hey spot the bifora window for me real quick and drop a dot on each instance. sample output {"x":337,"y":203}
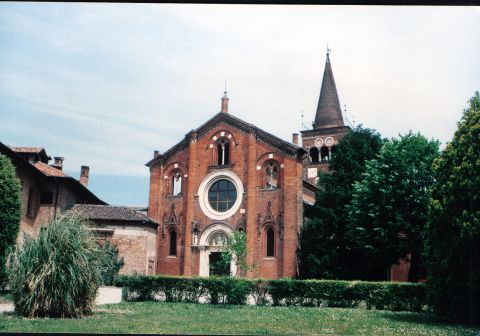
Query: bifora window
{"x":222,"y":195}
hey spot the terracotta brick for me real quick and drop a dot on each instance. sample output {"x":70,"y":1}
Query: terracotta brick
{"x":196,"y":161}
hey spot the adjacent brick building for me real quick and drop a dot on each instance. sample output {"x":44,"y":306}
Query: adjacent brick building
{"x":128,"y":228}
{"x":46,"y":189}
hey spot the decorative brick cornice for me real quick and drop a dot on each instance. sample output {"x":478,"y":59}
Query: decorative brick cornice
{"x":278,"y":144}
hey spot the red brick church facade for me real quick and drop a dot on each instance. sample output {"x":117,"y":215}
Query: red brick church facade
{"x":229,"y":175}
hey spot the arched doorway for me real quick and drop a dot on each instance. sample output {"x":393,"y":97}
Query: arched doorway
{"x":211,"y":245}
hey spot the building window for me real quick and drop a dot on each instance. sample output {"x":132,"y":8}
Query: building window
{"x":271,"y":175}
{"x":222,"y":195}
{"x":314,"y":155}
{"x":176,"y":184}
{"x":324,"y":154}
{"x":223,"y":152}
{"x":46,"y":197}
{"x":270,"y":242}
{"x":31,"y":203}
{"x":173,"y":243}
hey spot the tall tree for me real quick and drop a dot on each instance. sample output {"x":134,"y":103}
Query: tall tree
{"x":10,"y":212}
{"x":388,"y":211}
{"x":323,"y":251}
{"x":453,"y":241}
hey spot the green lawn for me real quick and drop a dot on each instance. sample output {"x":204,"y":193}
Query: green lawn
{"x":186,"y":318}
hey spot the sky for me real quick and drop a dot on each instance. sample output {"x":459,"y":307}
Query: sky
{"x":106,"y":84}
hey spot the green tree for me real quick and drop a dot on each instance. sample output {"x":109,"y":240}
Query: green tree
{"x":389,"y":208}
{"x":10,"y":212}
{"x":58,"y":273}
{"x":323,"y":250}
{"x":453,"y":240}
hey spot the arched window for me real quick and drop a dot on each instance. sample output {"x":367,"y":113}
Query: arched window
{"x":324,"y":154}
{"x":223,"y":152}
{"x":176,"y":183}
{"x":270,"y":242}
{"x":271,"y":175}
{"x":314,"y":155}
{"x":173,"y":243}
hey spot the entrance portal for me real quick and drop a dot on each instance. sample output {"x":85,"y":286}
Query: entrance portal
{"x":212,"y":244}
{"x":217,"y":265}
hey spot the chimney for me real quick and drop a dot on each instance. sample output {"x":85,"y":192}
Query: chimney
{"x":295,"y":138}
{"x":84,"y":170}
{"x":58,"y":163}
{"x":225,"y":102}
{"x":155,"y":153}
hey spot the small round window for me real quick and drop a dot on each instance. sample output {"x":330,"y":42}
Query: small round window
{"x":222,"y":195}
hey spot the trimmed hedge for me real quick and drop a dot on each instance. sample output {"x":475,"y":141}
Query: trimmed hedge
{"x":394,"y":296}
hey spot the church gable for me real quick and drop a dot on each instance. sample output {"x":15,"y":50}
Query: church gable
{"x":225,"y":119}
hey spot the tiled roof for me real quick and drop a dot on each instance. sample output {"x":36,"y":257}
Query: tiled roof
{"x":42,"y":170}
{"x":40,"y":151}
{"x":26,"y":149}
{"x":110,"y":212}
{"x":49,"y":170}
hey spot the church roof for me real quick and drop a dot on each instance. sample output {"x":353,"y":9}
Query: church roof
{"x":226,"y":118}
{"x":329,"y":113}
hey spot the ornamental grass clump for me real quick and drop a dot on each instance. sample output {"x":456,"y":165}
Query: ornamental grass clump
{"x":58,"y":273}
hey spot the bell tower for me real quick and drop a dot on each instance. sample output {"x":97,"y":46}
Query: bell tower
{"x":327,"y":129}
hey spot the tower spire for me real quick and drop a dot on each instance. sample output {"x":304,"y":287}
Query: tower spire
{"x":329,"y":112}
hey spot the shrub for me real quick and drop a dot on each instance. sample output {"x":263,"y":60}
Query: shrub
{"x":10,"y":207}
{"x":57,"y":274}
{"x":111,"y":264}
{"x":318,"y":293}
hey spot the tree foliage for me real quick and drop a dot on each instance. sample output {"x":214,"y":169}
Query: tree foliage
{"x":324,"y":252}
{"x":10,"y":212}
{"x":236,"y":250}
{"x":58,"y":273}
{"x":388,"y":211}
{"x":453,"y":244}
{"x":111,"y":263}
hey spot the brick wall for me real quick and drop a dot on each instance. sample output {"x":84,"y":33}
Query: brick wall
{"x":198,"y":160}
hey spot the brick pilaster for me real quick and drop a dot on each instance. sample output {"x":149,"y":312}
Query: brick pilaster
{"x":293,"y":216}
{"x":191,"y":179}
{"x":251,"y":201}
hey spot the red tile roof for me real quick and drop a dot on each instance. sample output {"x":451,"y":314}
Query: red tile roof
{"x":26,"y":149}
{"x":48,"y":170}
{"x":112,"y":213}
